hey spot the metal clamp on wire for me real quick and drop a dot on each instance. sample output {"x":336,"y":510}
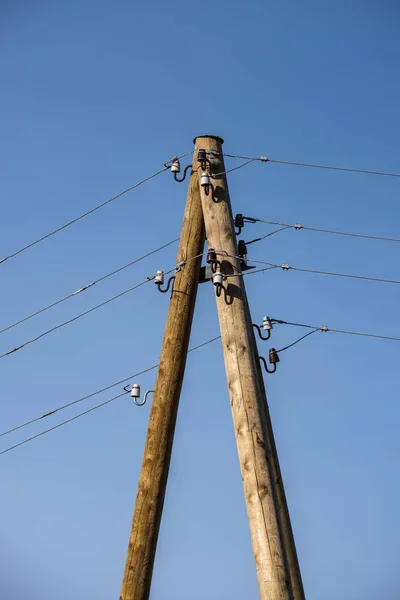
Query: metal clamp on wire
{"x":273,"y":360}
{"x":218,"y":281}
{"x":159,"y":281}
{"x":239,"y":222}
{"x":267,"y":326}
{"x":176,"y":168}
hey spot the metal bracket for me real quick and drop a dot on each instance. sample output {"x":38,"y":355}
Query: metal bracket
{"x":206,"y":274}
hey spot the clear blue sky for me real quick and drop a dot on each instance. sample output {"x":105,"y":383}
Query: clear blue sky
{"x":97,"y":95}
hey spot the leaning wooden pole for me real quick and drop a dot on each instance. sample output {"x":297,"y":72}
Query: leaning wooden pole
{"x":244,"y":389}
{"x":157,"y":454}
{"x":284,"y":516}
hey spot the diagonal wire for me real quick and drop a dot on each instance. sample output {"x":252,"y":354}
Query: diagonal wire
{"x":34,"y":437}
{"x":299,"y":340}
{"x":89,"y":212}
{"x":358,"y":235}
{"x":35,"y":339}
{"x":332,"y":168}
{"x":268,"y":234}
{"x":84,"y":288}
{"x":97,"y":392}
{"x":85,"y":398}
{"x":342,"y":331}
{"x":287,"y":267}
{"x":265,"y":159}
{"x":234,"y":168}
{"x":378,"y":279}
{"x":90,"y":310}
{"x":78,"y":401}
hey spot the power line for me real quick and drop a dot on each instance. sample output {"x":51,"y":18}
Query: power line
{"x":287,"y":267}
{"x":89,"y":212}
{"x":85,"y":287}
{"x":60,"y":408}
{"x":90,"y":310}
{"x":35,"y":339}
{"x":259,"y":239}
{"x":34,"y":437}
{"x":265,"y":159}
{"x":234,"y":168}
{"x":78,"y":401}
{"x":343,"y":331}
{"x":303,"y":337}
{"x":299,"y":226}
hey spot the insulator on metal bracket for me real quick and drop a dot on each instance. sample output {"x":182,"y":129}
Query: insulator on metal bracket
{"x":267,"y":326}
{"x":273,"y":360}
{"x":239,"y":223}
{"x":205,"y":183}
{"x":175,"y":165}
{"x":159,"y":281}
{"x":218,"y":281}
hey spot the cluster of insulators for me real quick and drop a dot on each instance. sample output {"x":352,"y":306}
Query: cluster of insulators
{"x":273,"y":354}
{"x":204,"y":163}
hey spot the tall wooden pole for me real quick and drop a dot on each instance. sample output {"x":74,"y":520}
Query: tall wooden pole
{"x":284,"y":516}
{"x":245,"y":393}
{"x":157,"y":454}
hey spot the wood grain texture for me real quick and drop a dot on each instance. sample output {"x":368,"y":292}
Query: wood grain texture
{"x":246,"y":396}
{"x":290,"y":552}
{"x":157,"y":454}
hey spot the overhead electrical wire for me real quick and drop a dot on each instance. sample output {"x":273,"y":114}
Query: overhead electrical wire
{"x":60,"y":408}
{"x":259,"y":239}
{"x":83,"y":314}
{"x":325,"y":328}
{"x":215,"y":175}
{"x":90,"y":310}
{"x":34,"y":437}
{"x":87,"y":213}
{"x":287,"y":267}
{"x":303,"y":337}
{"x":266,"y":159}
{"x":78,"y":401}
{"x":87,"y":286}
{"x":299,"y":226}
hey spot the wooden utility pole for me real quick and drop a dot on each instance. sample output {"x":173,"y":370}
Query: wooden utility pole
{"x":284,"y":516}
{"x":157,"y":454}
{"x":252,"y":436}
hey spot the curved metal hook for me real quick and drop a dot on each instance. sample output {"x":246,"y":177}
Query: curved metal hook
{"x":260,"y":334}
{"x":238,"y":223}
{"x":144,"y":399}
{"x":204,"y":163}
{"x":184,"y":174}
{"x":136,"y":401}
{"x":214,"y":266}
{"x":262,"y":359}
{"x":163,"y":291}
{"x":218,"y":288}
